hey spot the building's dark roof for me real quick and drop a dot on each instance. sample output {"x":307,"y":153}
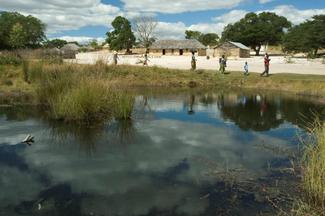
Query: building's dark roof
{"x":236,"y":44}
{"x":177,"y":44}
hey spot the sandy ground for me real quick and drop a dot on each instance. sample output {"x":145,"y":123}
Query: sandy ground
{"x":278,"y":64}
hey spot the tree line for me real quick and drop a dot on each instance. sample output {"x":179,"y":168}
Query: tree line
{"x":254,"y":30}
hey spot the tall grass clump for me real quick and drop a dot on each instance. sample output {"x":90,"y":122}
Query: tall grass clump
{"x":313,"y":169}
{"x":25,"y":70}
{"x":123,"y":105}
{"x":88,"y":101}
{"x":76,"y":93}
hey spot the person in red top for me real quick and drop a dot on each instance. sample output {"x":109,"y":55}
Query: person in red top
{"x":266,"y":65}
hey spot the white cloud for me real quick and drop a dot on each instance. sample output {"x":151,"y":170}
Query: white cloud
{"x":81,"y":39}
{"x":179,"y":6}
{"x":265,"y":1}
{"x":231,"y":17}
{"x":295,"y":15}
{"x":65,"y":15}
{"x":166,"y":30}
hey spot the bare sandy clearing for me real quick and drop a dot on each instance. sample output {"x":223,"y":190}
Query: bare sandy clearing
{"x":278,"y":63}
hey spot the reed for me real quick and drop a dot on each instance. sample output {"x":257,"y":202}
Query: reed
{"x":313,"y":167}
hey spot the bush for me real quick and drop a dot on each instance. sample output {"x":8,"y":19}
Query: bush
{"x":10,"y":60}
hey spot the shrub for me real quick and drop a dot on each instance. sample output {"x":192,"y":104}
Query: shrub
{"x":10,"y":60}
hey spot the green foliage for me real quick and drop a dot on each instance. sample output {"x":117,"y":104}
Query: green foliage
{"x":17,"y":36}
{"x":30,"y":31}
{"x":308,"y":37}
{"x":55,"y":43}
{"x":209,"y":39}
{"x":193,"y":34}
{"x":122,"y":36}
{"x":94,"y":44}
{"x":254,"y":30}
{"x":10,"y":59}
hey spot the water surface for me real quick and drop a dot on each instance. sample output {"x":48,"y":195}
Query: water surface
{"x":180,"y":154}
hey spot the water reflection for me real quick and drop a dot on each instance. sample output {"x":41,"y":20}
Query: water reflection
{"x":184,"y":154}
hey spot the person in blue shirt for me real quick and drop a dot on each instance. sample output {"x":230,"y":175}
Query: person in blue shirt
{"x":246,"y":69}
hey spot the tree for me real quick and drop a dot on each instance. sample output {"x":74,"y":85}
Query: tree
{"x":122,"y":36}
{"x":209,"y":39}
{"x":17,"y":36}
{"x":308,"y":37}
{"x":32,"y":27}
{"x":55,"y":43}
{"x":254,"y":30}
{"x":189,"y":34}
{"x":94,"y":44}
{"x":145,"y":27}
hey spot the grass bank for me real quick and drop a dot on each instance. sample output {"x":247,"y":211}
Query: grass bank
{"x":87,"y":92}
{"x":135,"y":76}
{"x":313,"y":174}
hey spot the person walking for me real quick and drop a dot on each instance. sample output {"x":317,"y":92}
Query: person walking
{"x":115,"y":58}
{"x":246,"y":69}
{"x":193,"y":62}
{"x":145,"y":62}
{"x":266,"y":65}
{"x":223,"y":64}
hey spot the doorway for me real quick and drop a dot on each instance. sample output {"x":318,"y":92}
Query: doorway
{"x":181,"y":52}
{"x":164,"y":52}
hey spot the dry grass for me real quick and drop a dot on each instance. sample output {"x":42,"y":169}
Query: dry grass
{"x":313,"y":167}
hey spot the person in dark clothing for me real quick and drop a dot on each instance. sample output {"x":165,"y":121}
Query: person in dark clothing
{"x":145,"y":62}
{"x":223,"y":64}
{"x":266,"y":65}
{"x":193,"y":62}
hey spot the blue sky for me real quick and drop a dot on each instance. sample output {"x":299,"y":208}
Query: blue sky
{"x":87,"y":19}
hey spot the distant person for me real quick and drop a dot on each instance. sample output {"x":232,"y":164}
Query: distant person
{"x":223,"y":64}
{"x":145,"y":62}
{"x":266,"y":65}
{"x":246,"y":69}
{"x":115,"y":58}
{"x":193,"y":62}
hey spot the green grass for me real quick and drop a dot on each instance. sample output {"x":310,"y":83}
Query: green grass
{"x":313,"y":168}
{"x":79,"y":92}
{"x":312,"y":198}
{"x":76,"y":94}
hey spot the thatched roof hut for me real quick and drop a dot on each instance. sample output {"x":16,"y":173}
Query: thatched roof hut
{"x":69,"y":50}
{"x":177,"y":47}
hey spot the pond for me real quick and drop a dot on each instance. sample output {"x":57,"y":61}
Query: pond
{"x":180,"y":154}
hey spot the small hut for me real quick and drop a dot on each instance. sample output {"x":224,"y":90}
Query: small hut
{"x":232,"y":49}
{"x":177,"y":47}
{"x":69,"y":50}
